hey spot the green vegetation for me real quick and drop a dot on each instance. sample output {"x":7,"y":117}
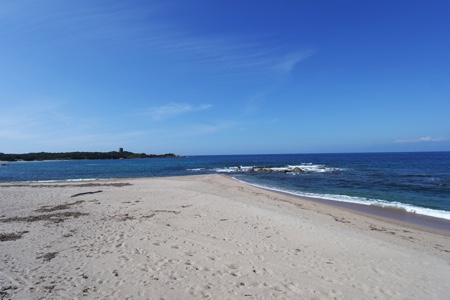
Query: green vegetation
{"x":81,"y":155}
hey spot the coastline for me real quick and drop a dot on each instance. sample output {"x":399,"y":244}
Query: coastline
{"x":206,"y":236}
{"x":385,"y":213}
{"x":393,"y":215}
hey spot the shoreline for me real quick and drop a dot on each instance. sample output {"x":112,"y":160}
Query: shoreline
{"x":388,"y":214}
{"x":205,"y":236}
{"x":384,"y":213}
{"x":393,"y":215}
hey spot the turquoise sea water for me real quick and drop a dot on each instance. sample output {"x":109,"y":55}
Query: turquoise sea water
{"x":416,"y":182}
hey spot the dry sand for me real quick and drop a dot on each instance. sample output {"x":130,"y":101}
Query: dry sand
{"x":205,"y":237}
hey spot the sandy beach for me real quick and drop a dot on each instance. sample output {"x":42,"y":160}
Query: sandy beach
{"x":206,"y":236}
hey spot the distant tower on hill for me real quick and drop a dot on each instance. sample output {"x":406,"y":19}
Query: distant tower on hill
{"x":120,"y":150}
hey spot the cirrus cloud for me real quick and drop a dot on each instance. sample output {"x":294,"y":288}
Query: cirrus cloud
{"x":291,"y":60}
{"x":172,"y":110}
{"x":426,"y":139}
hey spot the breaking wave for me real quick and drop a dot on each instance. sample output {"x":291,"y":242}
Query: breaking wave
{"x":292,"y":169}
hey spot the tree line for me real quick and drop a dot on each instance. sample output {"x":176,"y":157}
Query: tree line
{"x":38,"y":156}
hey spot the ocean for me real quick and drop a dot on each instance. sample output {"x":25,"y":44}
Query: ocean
{"x":414,"y":182}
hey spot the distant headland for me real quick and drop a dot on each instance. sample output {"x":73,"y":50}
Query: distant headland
{"x":39,"y":156}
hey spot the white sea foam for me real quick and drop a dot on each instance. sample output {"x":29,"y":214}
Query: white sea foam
{"x":232,"y":169}
{"x":364,"y":201}
{"x":70,"y":180}
{"x":294,"y":169}
{"x":85,"y":179}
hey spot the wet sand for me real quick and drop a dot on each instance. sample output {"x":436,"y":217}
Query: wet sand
{"x":393,"y":215}
{"x":206,"y":236}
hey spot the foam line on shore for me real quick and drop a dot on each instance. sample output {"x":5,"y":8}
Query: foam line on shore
{"x":361,"y":201}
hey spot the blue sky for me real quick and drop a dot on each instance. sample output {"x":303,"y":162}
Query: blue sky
{"x":224,"y":77}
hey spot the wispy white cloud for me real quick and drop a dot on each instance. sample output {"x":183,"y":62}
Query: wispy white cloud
{"x":426,"y":139}
{"x":290,"y":61}
{"x":43,"y":123}
{"x":24,"y":120}
{"x":172,"y":110}
{"x":201,"y":129}
{"x":149,"y":31}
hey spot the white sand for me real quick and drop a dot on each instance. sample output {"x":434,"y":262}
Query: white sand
{"x":206,"y":237}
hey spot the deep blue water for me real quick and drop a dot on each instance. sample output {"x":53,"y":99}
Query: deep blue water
{"x":417,"y":182}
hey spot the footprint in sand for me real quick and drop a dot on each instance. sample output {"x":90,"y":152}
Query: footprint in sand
{"x":233,"y":266}
{"x":212,"y":257}
{"x":190,"y":253}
